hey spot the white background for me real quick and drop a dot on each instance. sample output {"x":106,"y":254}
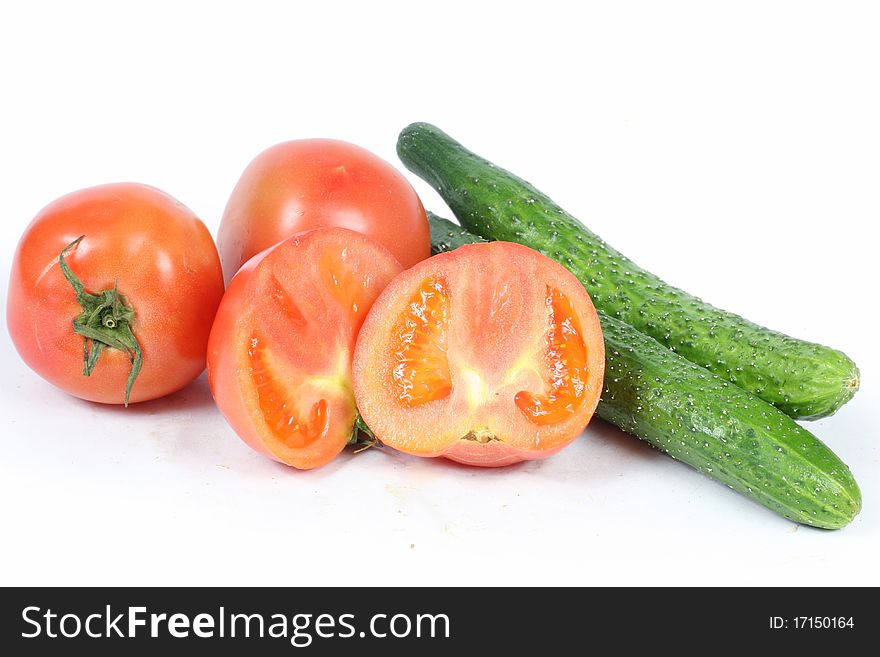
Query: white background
{"x":733,"y":149}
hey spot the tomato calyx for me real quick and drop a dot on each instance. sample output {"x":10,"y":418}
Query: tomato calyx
{"x":362,"y":437}
{"x":105,"y":322}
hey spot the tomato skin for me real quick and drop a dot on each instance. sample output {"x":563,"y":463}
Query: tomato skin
{"x":223,"y":360}
{"x":167,"y":268}
{"x":487,"y":355}
{"x":304,"y":184}
{"x":308,"y":330}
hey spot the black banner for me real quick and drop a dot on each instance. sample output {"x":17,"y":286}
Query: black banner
{"x":429,"y":621}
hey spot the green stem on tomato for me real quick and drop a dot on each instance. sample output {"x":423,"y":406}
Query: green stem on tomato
{"x":365,"y":441}
{"x":105,"y":322}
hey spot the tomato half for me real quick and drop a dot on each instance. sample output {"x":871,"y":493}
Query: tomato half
{"x":313,"y":183}
{"x":162,"y":263}
{"x":279,"y":356}
{"x":488,"y":355}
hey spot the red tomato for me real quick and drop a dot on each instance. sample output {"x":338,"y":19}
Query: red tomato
{"x":167,"y":270}
{"x":488,"y":355}
{"x":313,"y":183}
{"x":279,"y":356}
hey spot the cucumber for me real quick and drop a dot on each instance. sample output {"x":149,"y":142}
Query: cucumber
{"x":446,"y":236}
{"x":707,"y":422}
{"x":803,"y":379}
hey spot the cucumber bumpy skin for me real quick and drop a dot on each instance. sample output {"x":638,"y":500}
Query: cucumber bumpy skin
{"x":803,"y":379}
{"x":707,"y":422}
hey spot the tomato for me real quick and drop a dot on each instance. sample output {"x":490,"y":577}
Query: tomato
{"x":279,"y":356}
{"x":312,"y":183}
{"x":162,"y":262}
{"x":487,"y":355}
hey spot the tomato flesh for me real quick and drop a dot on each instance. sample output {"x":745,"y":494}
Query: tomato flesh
{"x":421,"y":367}
{"x":487,"y":355}
{"x":565,"y":361}
{"x":279,"y":356}
{"x":278,"y":405}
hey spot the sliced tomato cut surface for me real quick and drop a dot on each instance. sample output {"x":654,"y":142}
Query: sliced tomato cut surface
{"x":487,"y":355}
{"x":279,"y":355}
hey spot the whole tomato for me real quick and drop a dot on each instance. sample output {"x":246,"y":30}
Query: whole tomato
{"x":112,"y":293}
{"x":315,"y":183}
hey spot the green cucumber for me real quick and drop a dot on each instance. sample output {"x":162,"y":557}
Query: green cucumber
{"x":803,"y":379}
{"x":447,"y":236}
{"x":712,"y":425}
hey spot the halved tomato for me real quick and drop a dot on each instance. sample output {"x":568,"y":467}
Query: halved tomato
{"x":488,"y":355}
{"x":279,"y":355}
